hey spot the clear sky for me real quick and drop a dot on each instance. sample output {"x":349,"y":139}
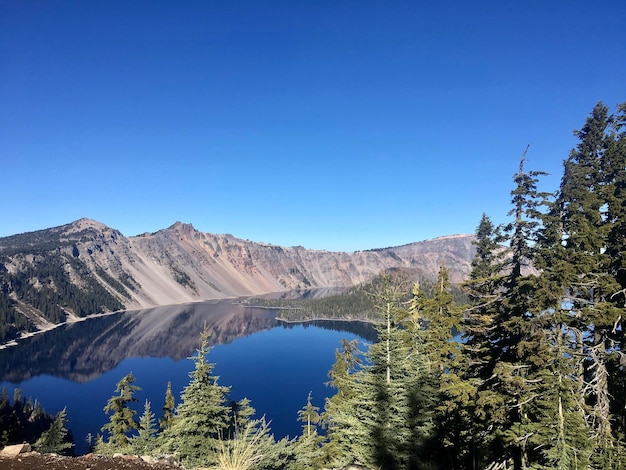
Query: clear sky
{"x":339,"y":125}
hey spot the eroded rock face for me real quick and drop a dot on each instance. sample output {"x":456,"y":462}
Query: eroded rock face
{"x":181,"y":264}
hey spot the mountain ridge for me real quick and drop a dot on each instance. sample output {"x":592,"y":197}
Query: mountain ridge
{"x":86,"y":267}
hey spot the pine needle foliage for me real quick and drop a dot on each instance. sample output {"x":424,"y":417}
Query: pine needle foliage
{"x":145,"y":442}
{"x":168,"y":409}
{"x":54,"y":440}
{"x":122,"y":421}
{"x":201,"y":417}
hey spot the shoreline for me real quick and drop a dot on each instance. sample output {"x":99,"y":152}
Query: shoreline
{"x":70,"y":321}
{"x":362,"y":320}
{"x":71,"y":318}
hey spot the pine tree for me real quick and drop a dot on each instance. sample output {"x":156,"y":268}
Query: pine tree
{"x":55,"y":439}
{"x":307,"y":448}
{"x":443,"y":319}
{"x":504,"y":344}
{"x":201,"y":418}
{"x":168,"y":409}
{"x":614,"y":191}
{"x":581,"y":265}
{"x":145,"y":442}
{"x":346,"y":437}
{"x":240,"y":414}
{"x":122,"y":420}
{"x":384,"y":418}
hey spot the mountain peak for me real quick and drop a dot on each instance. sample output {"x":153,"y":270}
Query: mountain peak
{"x":181,"y":227}
{"x":84,"y":223}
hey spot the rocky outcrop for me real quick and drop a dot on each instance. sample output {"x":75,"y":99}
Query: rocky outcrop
{"x":12,"y":451}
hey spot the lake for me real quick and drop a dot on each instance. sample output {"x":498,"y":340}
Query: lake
{"x":272,"y":363}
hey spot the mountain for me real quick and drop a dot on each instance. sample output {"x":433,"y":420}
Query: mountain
{"x":85,"y":267}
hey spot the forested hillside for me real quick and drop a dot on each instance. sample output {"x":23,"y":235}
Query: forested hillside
{"x":43,"y":279}
{"x":354,"y":303}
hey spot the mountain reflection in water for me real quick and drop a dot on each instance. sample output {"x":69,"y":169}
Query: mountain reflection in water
{"x":274,"y":364}
{"x":84,"y":350}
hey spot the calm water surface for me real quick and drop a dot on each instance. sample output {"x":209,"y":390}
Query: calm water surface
{"x":273,"y":364}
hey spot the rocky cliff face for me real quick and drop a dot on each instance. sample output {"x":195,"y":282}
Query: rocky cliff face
{"x":180,"y":264}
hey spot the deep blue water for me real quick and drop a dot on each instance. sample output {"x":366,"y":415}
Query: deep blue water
{"x":275,"y":368}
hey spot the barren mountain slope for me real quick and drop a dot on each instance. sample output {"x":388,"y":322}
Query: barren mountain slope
{"x":212,"y":266}
{"x":86,"y":267}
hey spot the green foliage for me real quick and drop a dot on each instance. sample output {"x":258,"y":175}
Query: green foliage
{"x":26,"y":421}
{"x":122,"y":420}
{"x":307,"y":448}
{"x":168,"y":409}
{"x":54,"y":440}
{"x":144,"y":443}
{"x":382,"y":414}
{"x":354,"y":303}
{"x":202,"y":416}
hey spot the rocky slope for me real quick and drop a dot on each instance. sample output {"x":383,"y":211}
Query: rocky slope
{"x":86,"y":267}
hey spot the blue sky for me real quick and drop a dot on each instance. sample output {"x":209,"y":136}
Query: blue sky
{"x":339,"y":125}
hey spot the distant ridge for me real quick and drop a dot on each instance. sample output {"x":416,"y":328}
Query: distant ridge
{"x":86,"y":267}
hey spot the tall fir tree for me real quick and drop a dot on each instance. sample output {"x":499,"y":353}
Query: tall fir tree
{"x":385,"y":419}
{"x":307,"y":448}
{"x":201,"y":419}
{"x":122,"y":420}
{"x":614,"y":168}
{"x":346,"y":436}
{"x":580,"y":262}
{"x":168,"y":409}
{"x":504,"y":345}
{"x":445,"y":365}
{"x":145,"y":442}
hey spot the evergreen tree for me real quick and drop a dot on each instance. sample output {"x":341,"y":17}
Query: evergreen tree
{"x":240,"y":414}
{"x":55,"y":439}
{"x":614,"y":168}
{"x":122,"y":420}
{"x":201,"y":418}
{"x":442,"y":350}
{"x":504,"y":344}
{"x":168,"y":409}
{"x":346,"y":437}
{"x":385,"y":418}
{"x":307,"y":448}
{"x":580,"y":265}
{"x":145,"y":442}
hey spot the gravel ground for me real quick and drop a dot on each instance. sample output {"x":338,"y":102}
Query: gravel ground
{"x":35,"y":461}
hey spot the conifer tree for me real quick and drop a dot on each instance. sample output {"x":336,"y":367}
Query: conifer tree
{"x":503,"y":342}
{"x":240,"y":414}
{"x":614,"y":169}
{"x":580,"y":262}
{"x":145,"y":442}
{"x":445,"y":366}
{"x":385,"y":418}
{"x":201,"y":418}
{"x":307,"y":448}
{"x":122,"y":420}
{"x":346,"y":436}
{"x":55,"y":439}
{"x":168,"y":409}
